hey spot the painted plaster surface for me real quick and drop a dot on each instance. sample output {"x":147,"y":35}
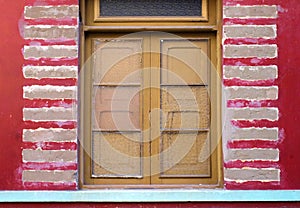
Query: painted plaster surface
{"x":38,"y":90}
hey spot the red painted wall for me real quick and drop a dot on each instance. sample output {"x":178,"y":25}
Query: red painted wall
{"x":289,"y":92}
{"x":11,"y":81}
{"x":11,"y":61}
{"x":288,"y":62}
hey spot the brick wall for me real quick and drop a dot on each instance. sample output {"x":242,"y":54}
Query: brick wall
{"x":250,"y":134}
{"x":50,"y":68}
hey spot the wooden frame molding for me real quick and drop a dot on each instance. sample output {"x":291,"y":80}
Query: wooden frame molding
{"x":207,"y":22}
{"x":190,"y":28}
{"x":98,"y":18}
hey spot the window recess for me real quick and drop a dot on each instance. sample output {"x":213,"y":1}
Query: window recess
{"x":150,"y":115}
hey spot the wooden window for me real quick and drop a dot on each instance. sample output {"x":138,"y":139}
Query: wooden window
{"x":149,"y":108}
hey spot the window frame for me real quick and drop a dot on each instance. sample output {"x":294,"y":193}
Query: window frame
{"x":211,"y":22}
{"x":210,"y":26}
{"x":98,"y":18}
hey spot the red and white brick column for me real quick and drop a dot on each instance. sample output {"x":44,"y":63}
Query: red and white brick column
{"x":250,"y":134}
{"x":50,"y":91}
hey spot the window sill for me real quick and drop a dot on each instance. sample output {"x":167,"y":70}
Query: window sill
{"x":146,"y":195}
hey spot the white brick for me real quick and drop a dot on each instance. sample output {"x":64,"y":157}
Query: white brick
{"x":54,"y":51}
{"x":58,"y":72}
{"x":49,"y":135}
{"x":256,"y":11}
{"x":250,"y":31}
{"x":254,"y":134}
{"x":49,"y":114}
{"x":64,"y":176}
{"x":252,"y":93}
{"x":261,"y":154}
{"x":49,"y":155}
{"x":252,"y":113}
{"x":251,"y":73}
{"x":49,"y":92}
{"x":252,"y":174}
{"x":250,"y":51}
{"x":65,"y":11}
{"x":44,"y":32}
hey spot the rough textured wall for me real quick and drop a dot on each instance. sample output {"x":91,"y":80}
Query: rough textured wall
{"x":250,"y":135}
{"x":50,"y":53}
{"x":259,"y":137}
{"x":38,"y":78}
{"x":11,"y":79}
